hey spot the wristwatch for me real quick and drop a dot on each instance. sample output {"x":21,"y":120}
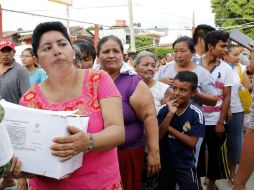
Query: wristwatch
{"x":92,"y":143}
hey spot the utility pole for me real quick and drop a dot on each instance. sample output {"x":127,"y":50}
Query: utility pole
{"x":1,"y":21}
{"x":193,"y":22}
{"x":132,"y":36}
{"x":96,"y":35}
{"x":68,"y":3}
{"x":193,"y":19}
{"x":68,"y":17}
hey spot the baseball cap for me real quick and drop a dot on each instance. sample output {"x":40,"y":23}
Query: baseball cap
{"x":5,"y":42}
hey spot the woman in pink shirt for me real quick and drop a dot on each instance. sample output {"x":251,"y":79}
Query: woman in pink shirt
{"x":94,"y":94}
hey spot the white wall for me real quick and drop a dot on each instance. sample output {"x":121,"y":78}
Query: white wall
{"x":173,"y":34}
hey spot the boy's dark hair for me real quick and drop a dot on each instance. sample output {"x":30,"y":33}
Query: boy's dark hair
{"x":201,"y":31}
{"x":187,"y":40}
{"x":188,"y":76}
{"x":86,"y":46}
{"x":45,"y":27}
{"x":214,"y":37}
{"x":107,"y":38}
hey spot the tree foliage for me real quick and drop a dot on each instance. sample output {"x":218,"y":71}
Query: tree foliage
{"x":238,"y":14}
{"x":144,"y":43}
{"x":160,"y":51}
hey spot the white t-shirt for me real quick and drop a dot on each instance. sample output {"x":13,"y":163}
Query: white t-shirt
{"x":235,"y":103}
{"x":206,"y":82}
{"x":223,"y":76}
{"x":158,"y":90}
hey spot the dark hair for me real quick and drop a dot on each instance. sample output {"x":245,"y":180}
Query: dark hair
{"x":107,"y":38}
{"x":214,"y":37}
{"x":132,"y":54}
{"x":187,"y":40}
{"x":30,"y":50}
{"x":188,"y":76}
{"x":232,"y":46}
{"x":201,"y":31}
{"x":78,"y":55}
{"x":45,"y":27}
{"x":86,"y":46}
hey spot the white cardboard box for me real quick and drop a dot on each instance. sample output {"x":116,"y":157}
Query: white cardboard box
{"x":32,"y":131}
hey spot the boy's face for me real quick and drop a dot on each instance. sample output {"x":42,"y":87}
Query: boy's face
{"x":220,"y":49}
{"x":182,"y":92}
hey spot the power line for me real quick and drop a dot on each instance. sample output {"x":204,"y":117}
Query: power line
{"x":221,"y":19}
{"x":78,"y":8}
{"x":246,"y":27}
{"x":163,"y":12}
{"x":238,"y":26}
{"x":58,"y":18}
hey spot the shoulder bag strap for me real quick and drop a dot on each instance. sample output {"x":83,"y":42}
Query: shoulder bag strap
{"x":240,"y":73}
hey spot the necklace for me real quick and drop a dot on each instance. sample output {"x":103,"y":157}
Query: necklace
{"x":179,"y":113}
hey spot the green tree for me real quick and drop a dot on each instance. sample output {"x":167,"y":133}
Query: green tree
{"x":237,"y":14}
{"x":144,"y":43}
{"x":160,"y":51}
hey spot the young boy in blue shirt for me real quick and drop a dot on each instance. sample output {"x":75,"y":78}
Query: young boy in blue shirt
{"x":181,"y":124}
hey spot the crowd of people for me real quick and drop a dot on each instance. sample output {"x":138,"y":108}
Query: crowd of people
{"x":153,"y":123}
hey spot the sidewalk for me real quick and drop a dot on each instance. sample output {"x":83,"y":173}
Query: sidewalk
{"x":223,"y":184}
{"x":9,"y":188}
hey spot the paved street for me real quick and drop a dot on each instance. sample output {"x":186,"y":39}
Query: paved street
{"x":222,"y":185}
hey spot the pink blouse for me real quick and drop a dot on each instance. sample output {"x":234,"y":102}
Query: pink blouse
{"x":100,"y":169}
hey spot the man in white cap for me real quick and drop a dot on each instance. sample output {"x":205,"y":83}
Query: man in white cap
{"x":14,"y":82}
